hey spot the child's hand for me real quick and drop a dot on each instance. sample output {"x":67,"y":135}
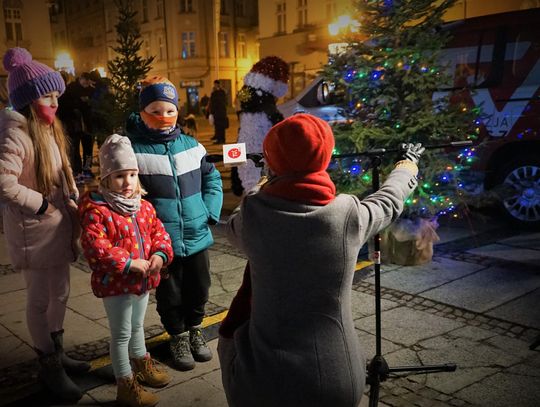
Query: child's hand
{"x":139,"y":266}
{"x":156,"y":263}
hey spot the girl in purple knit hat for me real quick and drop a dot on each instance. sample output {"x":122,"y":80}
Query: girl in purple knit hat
{"x":38,"y":194}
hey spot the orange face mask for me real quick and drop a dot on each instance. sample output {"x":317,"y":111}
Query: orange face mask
{"x":158,"y":122}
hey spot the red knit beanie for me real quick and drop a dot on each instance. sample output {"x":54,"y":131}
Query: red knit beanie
{"x":299,"y":144}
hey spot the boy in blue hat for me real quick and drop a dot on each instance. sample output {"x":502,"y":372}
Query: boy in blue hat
{"x":187,"y":193}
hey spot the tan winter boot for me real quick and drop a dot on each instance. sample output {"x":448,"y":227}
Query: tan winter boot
{"x":148,"y":372}
{"x":131,"y":394}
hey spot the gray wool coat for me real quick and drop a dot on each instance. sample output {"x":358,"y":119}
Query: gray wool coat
{"x":299,"y":347}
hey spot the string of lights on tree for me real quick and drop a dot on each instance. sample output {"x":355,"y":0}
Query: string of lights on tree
{"x":386,"y":79}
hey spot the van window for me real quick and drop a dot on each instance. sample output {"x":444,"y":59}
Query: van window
{"x":459,"y":59}
{"x":473,"y":59}
{"x":522,"y":53}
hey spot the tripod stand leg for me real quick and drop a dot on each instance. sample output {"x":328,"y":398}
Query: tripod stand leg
{"x":377,"y":373}
{"x":447,"y":367}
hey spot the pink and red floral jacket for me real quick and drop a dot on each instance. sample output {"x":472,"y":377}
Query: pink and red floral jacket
{"x":111,"y":241}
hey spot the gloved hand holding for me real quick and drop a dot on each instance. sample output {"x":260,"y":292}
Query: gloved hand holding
{"x":412,"y":152}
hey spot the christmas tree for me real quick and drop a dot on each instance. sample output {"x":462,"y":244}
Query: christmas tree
{"x":128,"y":67}
{"x":386,"y":77}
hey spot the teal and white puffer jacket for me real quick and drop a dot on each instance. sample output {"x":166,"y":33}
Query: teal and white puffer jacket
{"x":184,"y":188}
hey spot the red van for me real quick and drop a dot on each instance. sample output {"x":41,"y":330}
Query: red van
{"x":497,"y":57}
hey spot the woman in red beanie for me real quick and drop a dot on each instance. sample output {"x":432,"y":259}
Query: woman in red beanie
{"x":289,"y":337}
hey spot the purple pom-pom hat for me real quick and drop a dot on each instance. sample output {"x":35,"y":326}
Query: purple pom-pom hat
{"x":29,"y":79}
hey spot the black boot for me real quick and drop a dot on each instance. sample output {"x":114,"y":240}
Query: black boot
{"x":55,"y":379}
{"x":71,"y":365}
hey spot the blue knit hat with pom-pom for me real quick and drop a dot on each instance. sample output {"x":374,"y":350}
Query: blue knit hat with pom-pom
{"x":28,"y":79}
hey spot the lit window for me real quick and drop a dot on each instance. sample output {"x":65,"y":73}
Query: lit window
{"x":186,"y":6}
{"x":224,"y":44}
{"x":144,"y":11}
{"x":302,"y":13}
{"x":281,"y":14}
{"x":146,"y":46}
{"x":188,"y":44}
{"x":331,"y":10}
{"x":240,"y":8}
{"x":13,"y":24}
{"x":161,"y":48}
{"x":159,"y":8}
{"x":242,"y":48}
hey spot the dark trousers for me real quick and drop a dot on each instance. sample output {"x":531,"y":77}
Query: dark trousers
{"x":181,"y":297}
{"x":75,"y":140}
{"x":219,"y":134}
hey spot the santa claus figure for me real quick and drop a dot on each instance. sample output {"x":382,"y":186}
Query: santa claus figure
{"x":263,"y":85}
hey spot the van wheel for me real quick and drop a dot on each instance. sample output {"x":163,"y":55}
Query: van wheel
{"x":519,"y":184}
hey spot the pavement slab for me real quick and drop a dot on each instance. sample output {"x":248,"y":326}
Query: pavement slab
{"x":511,"y":253}
{"x":485,"y":289}
{"x":407,"y":326}
{"x":525,"y":240}
{"x":466,"y":353}
{"x":518,"y":310}
{"x":421,"y":278}
{"x":11,"y":281}
{"x":363,"y":304}
{"x":503,"y":390}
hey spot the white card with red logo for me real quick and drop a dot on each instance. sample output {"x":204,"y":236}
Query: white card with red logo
{"x":234,"y":154}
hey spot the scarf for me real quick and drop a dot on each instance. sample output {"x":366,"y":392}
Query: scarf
{"x":314,"y":188}
{"x":159,"y":136}
{"x":119,"y":203}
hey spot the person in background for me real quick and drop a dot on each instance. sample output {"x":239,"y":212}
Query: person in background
{"x":101,"y":102}
{"x":38,"y":196}
{"x":75,"y":113}
{"x":204,"y":105}
{"x":126,"y":247}
{"x":217,"y":110}
{"x":187,"y":193}
{"x":289,"y":337}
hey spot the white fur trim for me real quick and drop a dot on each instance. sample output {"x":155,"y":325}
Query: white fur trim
{"x":259,"y":81}
{"x":253,"y":129}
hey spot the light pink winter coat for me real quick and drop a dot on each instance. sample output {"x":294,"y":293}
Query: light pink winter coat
{"x":34,"y":241}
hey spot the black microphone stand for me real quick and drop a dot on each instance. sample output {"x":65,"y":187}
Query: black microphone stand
{"x":378,"y":370}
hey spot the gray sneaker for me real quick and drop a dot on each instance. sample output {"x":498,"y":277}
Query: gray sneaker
{"x":181,"y":352}
{"x":200,"y":350}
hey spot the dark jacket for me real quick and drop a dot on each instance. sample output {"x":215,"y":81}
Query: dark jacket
{"x":218,"y":108}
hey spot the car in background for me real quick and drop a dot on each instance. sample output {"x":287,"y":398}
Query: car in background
{"x":317,"y":100}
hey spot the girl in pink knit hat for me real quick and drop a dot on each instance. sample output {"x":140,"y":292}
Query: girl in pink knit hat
{"x":38,"y":194}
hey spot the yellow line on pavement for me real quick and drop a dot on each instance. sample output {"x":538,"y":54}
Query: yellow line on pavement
{"x":363,"y":264}
{"x":155,"y":340}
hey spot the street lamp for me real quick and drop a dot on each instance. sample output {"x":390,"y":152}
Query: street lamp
{"x":63,"y":62}
{"x":343,"y":24}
